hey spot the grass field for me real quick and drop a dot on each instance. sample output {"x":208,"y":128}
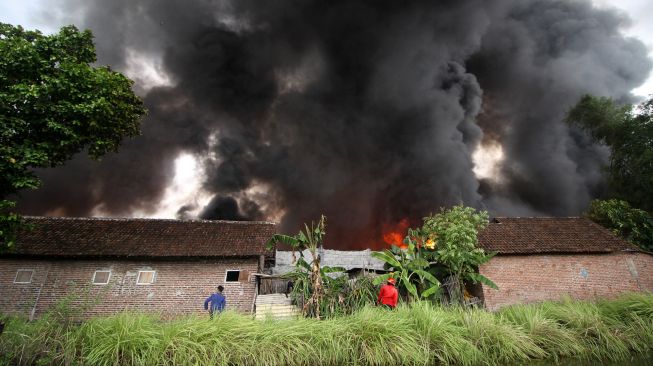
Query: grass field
{"x":420,"y":334}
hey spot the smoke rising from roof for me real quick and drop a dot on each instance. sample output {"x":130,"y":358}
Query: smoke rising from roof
{"x":366,"y":111}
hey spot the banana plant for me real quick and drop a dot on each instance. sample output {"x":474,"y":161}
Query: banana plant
{"x":310,"y":238}
{"x":410,"y":269}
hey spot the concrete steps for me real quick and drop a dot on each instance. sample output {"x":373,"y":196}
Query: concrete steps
{"x":279,"y":299}
{"x":276,"y":306}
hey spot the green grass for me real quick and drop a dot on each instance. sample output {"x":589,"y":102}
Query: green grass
{"x":420,"y":334}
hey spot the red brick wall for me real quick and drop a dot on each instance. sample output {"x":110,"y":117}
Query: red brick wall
{"x":180,"y":286}
{"x":531,"y":278}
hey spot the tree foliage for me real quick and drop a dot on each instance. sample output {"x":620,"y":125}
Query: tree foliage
{"x":53,"y":104}
{"x":628,"y":131}
{"x":630,"y":223}
{"x":457,"y":248}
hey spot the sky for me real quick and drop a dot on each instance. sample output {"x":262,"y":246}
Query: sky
{"x":640,"y":11}
{"x":420,"y":105}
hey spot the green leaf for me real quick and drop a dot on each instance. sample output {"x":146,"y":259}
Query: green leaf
{"x":430,"y":291}
{"x":302,"y":263}
{"x":382,"y":278}
{"x":476,"y":277}
{"x":327,"y":269}
{"x":429,"y":277}
{"x":408,"y":285}
{"x":387,"y":257}
{"x":420,"y":262}
{"x":282,"y":239}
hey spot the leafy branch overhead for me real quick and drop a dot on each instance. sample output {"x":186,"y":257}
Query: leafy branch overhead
{"x":53,"y":104}
{"x":630,"y":223}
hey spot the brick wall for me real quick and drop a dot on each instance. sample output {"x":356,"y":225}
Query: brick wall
{"x":531,"y":278}
{"x":180,"y":287}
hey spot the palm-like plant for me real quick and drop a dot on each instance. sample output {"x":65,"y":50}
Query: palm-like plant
{"x":333,"y":288}
{"x":311,"y":239}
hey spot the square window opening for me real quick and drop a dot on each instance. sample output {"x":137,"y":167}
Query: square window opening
{"x":145,"y":277}
{"x":101,"y":277}
{"x":24,"y":276}
{"x":232,"y":276}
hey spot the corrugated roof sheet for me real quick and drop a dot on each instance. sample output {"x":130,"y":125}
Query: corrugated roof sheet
{"x":132,"y":237}
{"x":530,"y":235}
{"x":359,"y":259}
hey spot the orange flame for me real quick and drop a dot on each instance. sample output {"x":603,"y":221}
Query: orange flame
{"x":395,"y":235}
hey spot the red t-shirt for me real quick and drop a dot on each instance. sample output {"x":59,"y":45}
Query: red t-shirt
{"x":388,"y":295}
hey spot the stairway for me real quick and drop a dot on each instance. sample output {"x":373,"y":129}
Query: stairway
{"x":276,"y":306}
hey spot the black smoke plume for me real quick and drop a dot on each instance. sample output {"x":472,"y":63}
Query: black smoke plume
{"x":365,"y":110}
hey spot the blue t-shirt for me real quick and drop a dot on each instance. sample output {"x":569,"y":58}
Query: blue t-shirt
{"x":218,"y":302}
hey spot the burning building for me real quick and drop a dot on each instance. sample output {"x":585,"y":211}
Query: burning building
{"x":370,"y":112}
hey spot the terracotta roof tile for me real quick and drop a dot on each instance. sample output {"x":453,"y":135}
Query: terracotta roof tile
{"x":130,"y":237}
{"x":527,"y":235}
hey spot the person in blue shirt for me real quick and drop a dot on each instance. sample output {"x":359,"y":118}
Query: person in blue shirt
{"x":218,"y":302}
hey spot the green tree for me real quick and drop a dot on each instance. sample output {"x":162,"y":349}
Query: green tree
{"x":630,"y":223}
{"x":54,"y":104}
{"x":628,"y":131}
{"x":456,"y":233}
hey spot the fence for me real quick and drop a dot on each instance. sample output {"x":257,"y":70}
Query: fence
{"x":272,"y":285}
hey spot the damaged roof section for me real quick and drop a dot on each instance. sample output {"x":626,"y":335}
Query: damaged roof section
{"x":67,"y":237}
{"x":532,"y":235}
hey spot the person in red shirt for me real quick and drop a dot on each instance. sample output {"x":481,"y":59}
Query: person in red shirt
{"x":389,"y":295}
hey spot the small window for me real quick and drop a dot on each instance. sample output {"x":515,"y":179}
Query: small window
{"x":232,"y":276}
{"x":24,"y":276}
{"x":145,"y":277}
{"x":101,"y":277}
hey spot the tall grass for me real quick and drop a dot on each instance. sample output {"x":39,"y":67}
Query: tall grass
{"x":416,"y":334}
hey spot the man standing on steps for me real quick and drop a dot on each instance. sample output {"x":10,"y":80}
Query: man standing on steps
{"x":389,"y":295}
{"x":218,"y":302}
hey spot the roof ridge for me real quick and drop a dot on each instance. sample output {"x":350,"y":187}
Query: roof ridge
{"x":550,"y":234}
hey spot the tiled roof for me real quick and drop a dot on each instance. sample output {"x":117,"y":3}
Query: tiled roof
{"x":530,"y":235}
{"x":130,"y":237}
